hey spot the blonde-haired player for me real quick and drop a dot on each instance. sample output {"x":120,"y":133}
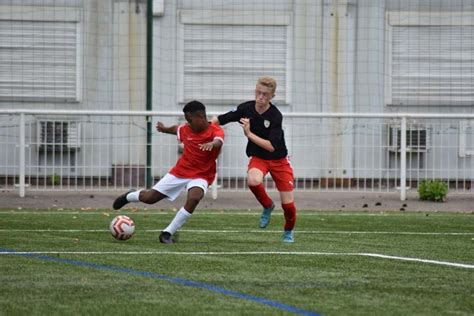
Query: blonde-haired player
{"x":262,"y":125}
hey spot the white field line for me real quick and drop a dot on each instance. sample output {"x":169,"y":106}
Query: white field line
{"x":445,"y":263}
{"x":322,"y":232}
{"x":239,"y":253}
{"x":226,"y":213}
{"x":204,"y":231}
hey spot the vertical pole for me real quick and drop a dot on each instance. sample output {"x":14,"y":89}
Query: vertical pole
{"x":334,"y":101}
{"x":149,"y":89}
{"x":214,"y":188}
{"x":22,"y":156}
{"x":403,"y":159}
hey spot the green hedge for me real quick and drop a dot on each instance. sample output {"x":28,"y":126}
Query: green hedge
{"x":433,"y":190}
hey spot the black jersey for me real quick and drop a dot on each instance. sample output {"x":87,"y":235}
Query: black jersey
{"x":267,"y":125}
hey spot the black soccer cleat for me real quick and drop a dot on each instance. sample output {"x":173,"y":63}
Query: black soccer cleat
{"x":121,"y":201}
{"x":166,"y":238}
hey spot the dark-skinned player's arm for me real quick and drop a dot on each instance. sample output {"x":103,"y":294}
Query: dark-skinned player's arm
{"x":160,"y":127}
{"x":216,"y":143}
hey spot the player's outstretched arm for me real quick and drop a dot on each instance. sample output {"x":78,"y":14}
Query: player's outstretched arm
{"x":216,"y":143}
{"x":160,"y":127}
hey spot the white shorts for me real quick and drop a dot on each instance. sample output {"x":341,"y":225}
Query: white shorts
{"x":172,"y":186}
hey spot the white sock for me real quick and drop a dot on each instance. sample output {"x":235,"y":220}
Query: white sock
{"x":134,"y":196}
{"x":178,"y":221}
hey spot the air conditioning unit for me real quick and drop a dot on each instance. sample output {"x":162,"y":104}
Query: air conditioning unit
{"x":417,"y":139}
{"x":58,"y":136}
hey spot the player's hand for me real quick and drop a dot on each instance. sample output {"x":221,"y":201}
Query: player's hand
{"x":160,"y":127}
{"x":214,"y":120}
{"x":206,"y":146}
{"x":245,"y":123}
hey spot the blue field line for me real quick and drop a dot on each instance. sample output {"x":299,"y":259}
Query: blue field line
{"x":201,"y":285}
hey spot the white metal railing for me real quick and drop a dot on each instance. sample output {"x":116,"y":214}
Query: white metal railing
{"x":363,"y":152}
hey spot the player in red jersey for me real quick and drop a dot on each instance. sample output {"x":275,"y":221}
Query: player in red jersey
{"x":262,"y":125}
{"x":194,"y":171}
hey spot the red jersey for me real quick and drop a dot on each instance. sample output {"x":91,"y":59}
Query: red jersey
{"x":194,"y":162}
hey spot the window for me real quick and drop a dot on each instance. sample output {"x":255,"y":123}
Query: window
{"x":430,"y":59}
{"x":223,"y":53}
{"x":38,"y":56}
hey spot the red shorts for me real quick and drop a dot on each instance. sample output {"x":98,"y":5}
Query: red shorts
{"x":280,"y":170}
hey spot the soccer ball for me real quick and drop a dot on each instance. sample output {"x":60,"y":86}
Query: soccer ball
{"x":122,"y":227}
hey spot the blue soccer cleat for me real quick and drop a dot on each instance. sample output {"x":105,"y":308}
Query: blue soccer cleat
{"x":265,"y":217}
{"x":288,"y":236}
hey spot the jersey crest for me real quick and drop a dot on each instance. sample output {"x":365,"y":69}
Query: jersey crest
{"x":266,"y":123}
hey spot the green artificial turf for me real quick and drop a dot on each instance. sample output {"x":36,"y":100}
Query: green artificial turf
{"x":66,"y":262}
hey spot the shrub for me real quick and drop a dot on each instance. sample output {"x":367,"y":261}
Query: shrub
{"x":55,"y":179}
{"x":433,"y":190}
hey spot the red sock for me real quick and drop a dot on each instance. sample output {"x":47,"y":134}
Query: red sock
{"x":261,"y":195}
{"x":289,"y":210}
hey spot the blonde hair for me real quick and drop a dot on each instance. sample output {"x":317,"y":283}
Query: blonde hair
{"x":268,"y":82}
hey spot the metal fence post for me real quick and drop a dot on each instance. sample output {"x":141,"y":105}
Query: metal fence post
{"x":22,"y":156}
{"x":403,"y":159}
{"x":214,"y":188}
